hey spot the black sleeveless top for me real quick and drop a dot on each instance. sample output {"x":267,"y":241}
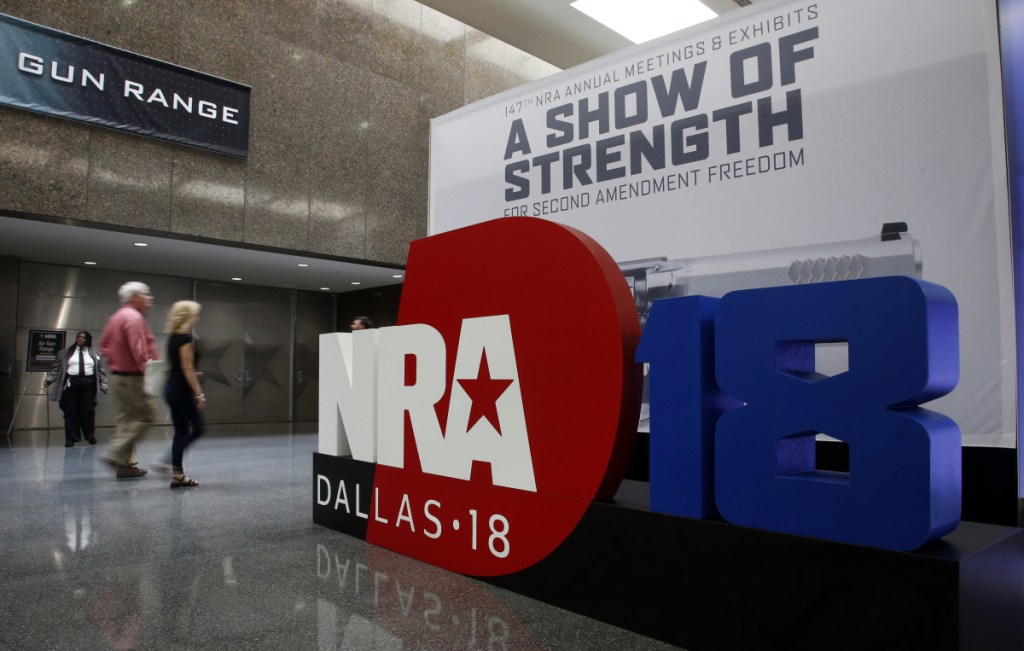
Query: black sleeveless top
{"x":174,"y":375}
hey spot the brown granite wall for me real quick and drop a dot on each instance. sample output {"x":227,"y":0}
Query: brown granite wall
{"x":342,"y":95}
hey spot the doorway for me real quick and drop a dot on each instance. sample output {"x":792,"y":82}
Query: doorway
{"x":244,"y":341}
{"x":314,"y":315}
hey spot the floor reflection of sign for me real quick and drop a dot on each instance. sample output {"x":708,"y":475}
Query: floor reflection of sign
{"x":43,"y":346}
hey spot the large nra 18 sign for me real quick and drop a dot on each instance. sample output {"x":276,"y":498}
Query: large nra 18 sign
{"x":476,"y":433}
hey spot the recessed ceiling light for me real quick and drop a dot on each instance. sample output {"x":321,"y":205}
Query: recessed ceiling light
{"x":89,"y":262}
{"x":325,"y":289}
{"x":397,"y":276}
{"x":356,"y":282}
{"x":303,"y":264}
{"x":140,"y":244}
{"x":643,"y":20}
{"x":236,"y":278}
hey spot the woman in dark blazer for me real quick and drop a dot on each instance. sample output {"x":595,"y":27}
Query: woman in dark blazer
{"x":73,"y":382}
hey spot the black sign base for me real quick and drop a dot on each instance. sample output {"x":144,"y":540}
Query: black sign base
{"x":711,"y":585}
{"x":341,"y":493}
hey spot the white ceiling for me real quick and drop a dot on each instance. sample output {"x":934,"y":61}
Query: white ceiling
{"x":549,"y":29}
{"x":56,"y":243}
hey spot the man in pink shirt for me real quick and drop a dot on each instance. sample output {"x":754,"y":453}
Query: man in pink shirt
{"x":127,"y":344}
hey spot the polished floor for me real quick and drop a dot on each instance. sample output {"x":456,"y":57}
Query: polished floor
{"x":91,"y":562}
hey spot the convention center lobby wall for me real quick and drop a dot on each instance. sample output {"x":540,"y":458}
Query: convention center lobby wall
{"x":342,"y":92}
{"x":342,"y":95}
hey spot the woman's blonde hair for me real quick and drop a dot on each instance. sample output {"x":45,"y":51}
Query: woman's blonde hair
{"x":182,"y":316}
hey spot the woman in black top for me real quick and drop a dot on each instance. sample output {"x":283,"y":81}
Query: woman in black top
{"x":73,"y":381}
{"x":182,"y":391}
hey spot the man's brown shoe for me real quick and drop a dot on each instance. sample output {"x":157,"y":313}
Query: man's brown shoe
{"x":130,"y":472}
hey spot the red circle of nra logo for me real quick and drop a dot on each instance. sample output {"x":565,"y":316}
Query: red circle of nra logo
{"x":503,"y":403}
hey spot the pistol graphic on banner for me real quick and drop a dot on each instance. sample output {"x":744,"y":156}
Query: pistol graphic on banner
{"x":892,"y":253}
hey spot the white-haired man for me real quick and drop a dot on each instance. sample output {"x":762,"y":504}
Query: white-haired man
{"x":127,"y":344}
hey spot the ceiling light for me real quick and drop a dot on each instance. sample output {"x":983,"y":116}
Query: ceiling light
{"x":303,"y":264}
{"x":643,"y":20}
{"x":236,"y":278}
{"x":89,"y":262}
{"x":397,"y":276}
{"x":356,"y":282}
{"x":140,"y":244}
{"x":325,"y":289}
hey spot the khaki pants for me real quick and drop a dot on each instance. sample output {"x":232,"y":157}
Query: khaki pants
{"x":135,"y":413}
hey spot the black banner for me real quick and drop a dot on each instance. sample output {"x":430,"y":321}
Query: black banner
{"x":43,"y":348}
{"x":54,"y":73}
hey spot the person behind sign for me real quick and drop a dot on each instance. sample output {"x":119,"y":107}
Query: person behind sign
{"x":72,"y":382}
{"x":182,"y":391}
{"x":361,"y":323}
{"x":127,"y":344}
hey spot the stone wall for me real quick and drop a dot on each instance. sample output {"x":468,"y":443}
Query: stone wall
{"x":342,"y":95}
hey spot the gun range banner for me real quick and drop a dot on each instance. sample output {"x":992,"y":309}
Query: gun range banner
{"x":783,"y":143}
{"x":53,"y":73}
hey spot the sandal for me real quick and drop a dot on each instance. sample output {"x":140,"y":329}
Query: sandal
{"x":183,"y":482}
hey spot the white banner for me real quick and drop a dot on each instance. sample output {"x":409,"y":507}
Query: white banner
{"x":769,"y":146}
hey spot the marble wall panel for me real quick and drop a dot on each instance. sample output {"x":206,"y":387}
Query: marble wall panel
{"x":486,"y":70}
{"x":345,"y":30}
{"x":394,"y":110}
{"x":149,"y":28}
{"x":337,"y":208}
{"x":391,"y":224}
{"x":339,"y":158}
{"x":431,"y":107}
{"x":281,"y":105}
{"x":524,"y":68}
{"x":444,"y":54}
{"x":341,"y":98}
{"x":292,"y":21}
{"x":85,"y":19}
{"x":217,"y":38}
{"x":397,"y":40}
{"x":208,"y":194}
{"x":396,"y":200}
{"x":44,"y":164}
{"x":397,"y":210}
{"x":129,"y":180}
{"x":277,"y":196}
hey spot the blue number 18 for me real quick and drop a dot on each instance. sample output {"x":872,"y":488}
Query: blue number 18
{"x":903,"y":485}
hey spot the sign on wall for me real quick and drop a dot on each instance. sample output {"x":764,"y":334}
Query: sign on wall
{"x":54,"y":73}
{"x":43,"y":348}
{"x":785,"y":143}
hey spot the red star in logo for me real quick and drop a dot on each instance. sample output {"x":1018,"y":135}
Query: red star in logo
{"x":484,"y":392}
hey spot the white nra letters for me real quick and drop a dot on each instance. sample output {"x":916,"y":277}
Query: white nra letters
{"x":364,"y":397}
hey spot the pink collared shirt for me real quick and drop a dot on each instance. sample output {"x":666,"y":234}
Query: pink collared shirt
{"x":127,"y":342}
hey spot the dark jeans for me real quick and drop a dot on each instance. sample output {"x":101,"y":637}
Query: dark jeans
{"x":78,"y":402}
{"x":188,"y":423}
